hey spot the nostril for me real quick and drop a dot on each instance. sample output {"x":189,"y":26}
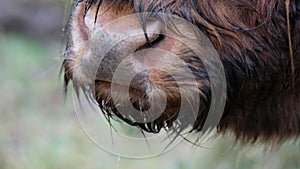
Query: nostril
{"x":157,"y":40}
{"x":152,"y":42}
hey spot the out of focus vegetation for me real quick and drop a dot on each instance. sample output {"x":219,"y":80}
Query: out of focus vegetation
{"x":39,"y":129}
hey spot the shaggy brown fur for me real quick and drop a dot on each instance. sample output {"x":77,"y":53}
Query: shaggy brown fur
{"x":252,"y":39}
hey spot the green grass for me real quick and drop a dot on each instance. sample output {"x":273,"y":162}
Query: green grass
{"x":39,"y":130}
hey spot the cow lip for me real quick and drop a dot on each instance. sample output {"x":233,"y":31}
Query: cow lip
{"x":97,"y":81}
{"x":109,"y":84}
{"x":109,"y":93}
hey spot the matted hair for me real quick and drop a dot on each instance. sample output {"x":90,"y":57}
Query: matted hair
{"x":259,"y":46}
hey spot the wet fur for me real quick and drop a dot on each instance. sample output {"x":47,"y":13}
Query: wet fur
{"x":251,"y":37}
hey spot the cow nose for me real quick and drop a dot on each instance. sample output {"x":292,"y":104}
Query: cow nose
{"x":113,"y":42}
{"x":127,"y":35}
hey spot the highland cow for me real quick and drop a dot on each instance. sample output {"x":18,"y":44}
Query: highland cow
{"x":258,"y":44}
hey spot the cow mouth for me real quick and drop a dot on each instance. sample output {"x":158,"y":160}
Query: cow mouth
{"x":138,"y":110}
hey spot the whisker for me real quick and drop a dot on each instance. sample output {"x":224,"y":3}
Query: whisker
{"x":146,"y":139}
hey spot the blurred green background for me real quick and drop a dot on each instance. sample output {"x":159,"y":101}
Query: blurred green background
{"x":39,"y":128}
